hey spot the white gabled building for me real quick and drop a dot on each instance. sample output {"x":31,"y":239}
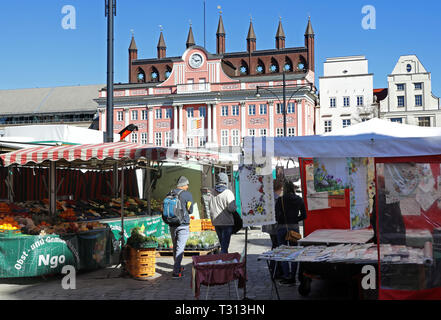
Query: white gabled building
{"x":346,"y":93}
{"x":410,"y":99}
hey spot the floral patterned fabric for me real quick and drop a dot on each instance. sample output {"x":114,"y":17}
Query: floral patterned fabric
{"x":257,"y":197}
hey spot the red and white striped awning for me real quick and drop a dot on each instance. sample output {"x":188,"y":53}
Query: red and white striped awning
{"x":84,"y":152}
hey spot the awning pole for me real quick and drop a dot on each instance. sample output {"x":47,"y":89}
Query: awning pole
{"x":115,"y":180}
{"x":52,"y":188}
{"x":149,"y":190}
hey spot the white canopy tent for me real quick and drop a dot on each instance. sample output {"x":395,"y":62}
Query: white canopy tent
{"x":373,"y":138}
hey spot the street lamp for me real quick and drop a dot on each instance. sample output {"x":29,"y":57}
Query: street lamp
{"x":297,"y":89}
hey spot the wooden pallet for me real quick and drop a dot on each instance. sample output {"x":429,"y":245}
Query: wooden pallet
{"x":169,"y":252}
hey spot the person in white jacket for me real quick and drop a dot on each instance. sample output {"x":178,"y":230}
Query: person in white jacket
{"x":222,"y":204}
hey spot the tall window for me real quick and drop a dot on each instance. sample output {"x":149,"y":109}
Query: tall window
{"x":328,"y":125}
{"x":202,"y":141}
{"x":252,"y":110}
{"x":346,"y":101}
{"x":360,"y":101}
{"x":291,"y":132}
{"x":144,"y":138}
{"x":251,"y":132}
{"x":418,"y":85}
{"x":332,"y":102}
{"x":190,"y":142}
{"x":424,"y":121}
{"x":279,"y":108}
{"x":119,"y":116}
{"x":190,"y":112}
{"x":291,"y":108}
{"x":224,"y":138}
{"x":234,"y":110}
{"x":263,"y":132}
{"x":167,"y":138}
{"x":134,"y":114}
{"x":262,"y":109}
{"x":158,"y":138}
{"x":134,"y":137}
{"x":202,"y":112}
{"x":235,"y":138}
{"x":158,"y":113}
{"x":400,"y":87}
{"x":144,"y":114}
{"x":346,"y":123}
{"x":168,"y":113}
{"x":400,"y":101}
{"x":279,"y":132}
{"x":419,"y":100}
{"x":224,"y":111}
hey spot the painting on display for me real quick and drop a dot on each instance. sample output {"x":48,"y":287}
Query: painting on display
{"x":257,"y":196}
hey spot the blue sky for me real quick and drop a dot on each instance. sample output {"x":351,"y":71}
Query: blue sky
{"x":37,"y":52}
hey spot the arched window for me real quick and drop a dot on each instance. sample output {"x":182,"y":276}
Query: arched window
{"x":288,"y":65}
{"x":301,"y":66}
{"x":154,"y":75}
{"x":274,"y":67}
{"x":140,"y":75}
{"x":243,"y":68}
{"x":260,"y":68}
{"x":167,"y":72}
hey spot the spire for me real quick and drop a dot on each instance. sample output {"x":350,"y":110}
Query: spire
{"x":133,"y":43}
{"x":220,"y":26}
{"x":190,"y":38}
{"x":251,"y":34}
{"x":280,"y":33}
{"x":309,"y":31}
{"x":161,"y":47}
{"x":161,"y":42}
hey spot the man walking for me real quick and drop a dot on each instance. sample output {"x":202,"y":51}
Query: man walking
{"x":180,"y":234}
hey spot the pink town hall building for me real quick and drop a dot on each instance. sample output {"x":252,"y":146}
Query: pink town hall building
{"x":212,"y":100}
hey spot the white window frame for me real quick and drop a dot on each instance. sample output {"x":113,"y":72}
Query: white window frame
{"x":279,"y":108}
{"x":279,"y":132}
{"x":224,"y":111}
{"x":168,"y":113}
{"x":332,"y":102}
{"x":235,"y":110}
{"x":263,"y":107}
{"x":251,"y":109}
{"x":398,"y":101}
{"x":144,"y":138}
{"x":224,"y":138}
{"x":134,"y":137}
{"x":144,"y":114}
{"x":401,"y":86}
{"x":346,"y":101}
{"x":346,"y":123}
{"x":190,"y":112}
{"x":190,"y":142}
{"x":360,"y":99}
{"x":251,"y":132}
{"x":291,"y":131}
{"x":158,"y":113}
{"x":263,"y":132}
{"x":134,"y":114}
{"x":202,"y":140}
{"x":202,"y":112}
{"x":120,"y":116}
{"x":291,"y":108}
{"x":168,"y":139}
{"x":235,"y":137}
{"x":327,"y":125}
{"x":158,"y":139}
{"x":418,"y":86}
{"x":421,"y":100}
{"x":419,"y":119}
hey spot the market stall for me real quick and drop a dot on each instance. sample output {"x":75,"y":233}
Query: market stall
{"x":405,"y":161}
{"x":57,"y":237}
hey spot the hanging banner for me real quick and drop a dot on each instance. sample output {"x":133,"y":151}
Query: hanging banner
{"x":257,"y":197}
{"x":195,"y":127}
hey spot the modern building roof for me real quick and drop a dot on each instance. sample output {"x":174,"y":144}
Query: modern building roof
{"x":49,"y":100}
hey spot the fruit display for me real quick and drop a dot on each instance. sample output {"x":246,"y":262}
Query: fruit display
{"x":204,"y":240}
{"x":138,"y":240}
{"x":9,"y":223}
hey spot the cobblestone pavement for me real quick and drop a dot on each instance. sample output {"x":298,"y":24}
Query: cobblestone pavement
{"x":109,"y":284}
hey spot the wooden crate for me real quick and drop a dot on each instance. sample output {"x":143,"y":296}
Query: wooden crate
{"x":141,"y":263}
{"x":195,"y":225}
{"x":207,"y":225}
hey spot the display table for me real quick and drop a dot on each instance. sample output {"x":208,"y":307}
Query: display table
{"x":30,"y":256}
